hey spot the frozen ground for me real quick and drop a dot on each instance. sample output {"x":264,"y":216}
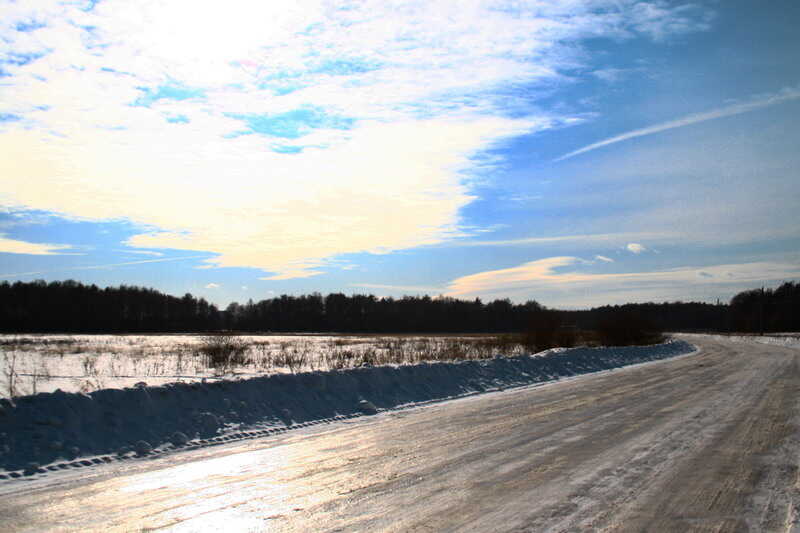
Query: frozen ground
{"x":53,"y":431}
{"x":706,"y":442}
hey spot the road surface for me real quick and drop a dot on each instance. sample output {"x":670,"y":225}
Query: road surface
{"x":706,"y":442}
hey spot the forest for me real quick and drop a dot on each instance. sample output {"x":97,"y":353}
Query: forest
{"x":72,"y":307}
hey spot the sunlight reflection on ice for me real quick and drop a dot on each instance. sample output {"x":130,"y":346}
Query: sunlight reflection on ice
{"x":231,"y":519}
{"x":239,"y":492}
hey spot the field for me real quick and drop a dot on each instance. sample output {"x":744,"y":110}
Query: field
{"x":30,"y":364}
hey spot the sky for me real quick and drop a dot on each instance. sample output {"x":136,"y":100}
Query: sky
{"x":573,"y":152}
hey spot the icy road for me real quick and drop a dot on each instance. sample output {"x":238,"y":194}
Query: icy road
{"x":705,"y":442}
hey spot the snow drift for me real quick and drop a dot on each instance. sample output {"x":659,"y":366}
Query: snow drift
{"x":59,"y":428}
{"x":786,"y":340}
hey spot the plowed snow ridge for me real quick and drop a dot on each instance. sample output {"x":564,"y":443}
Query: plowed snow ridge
{"x":54,"y":428}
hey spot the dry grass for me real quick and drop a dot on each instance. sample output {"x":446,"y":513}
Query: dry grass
{"x":27,"y":363}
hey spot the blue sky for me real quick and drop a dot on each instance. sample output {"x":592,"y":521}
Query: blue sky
{"x":573,"y":152}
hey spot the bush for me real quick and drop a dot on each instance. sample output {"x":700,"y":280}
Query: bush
{"x":223,"y":351}
{"x":566,"y":336}
{"x":626,"y":328}
{"x":542,"y":330}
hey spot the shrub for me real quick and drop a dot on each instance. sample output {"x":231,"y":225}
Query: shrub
{"x":566,"y":336}
{"x":542,"y":330}
{"x":223,"y":351}
{"x":626,"y":328}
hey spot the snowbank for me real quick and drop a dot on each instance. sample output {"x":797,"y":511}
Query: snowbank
{"x":65,"y":430}
{"x":786,"y":340}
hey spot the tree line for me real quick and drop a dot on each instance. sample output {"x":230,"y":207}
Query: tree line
{"x":72,"y":307}
{"x":767,"y":310}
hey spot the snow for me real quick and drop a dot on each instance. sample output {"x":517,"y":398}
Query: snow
{"x":111,"y":424}
{"x":786,"y":340}
{"x":84,"y":363}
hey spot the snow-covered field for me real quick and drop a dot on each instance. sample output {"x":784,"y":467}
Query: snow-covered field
{"x":30,"y":364}
{"x":63,"y":430}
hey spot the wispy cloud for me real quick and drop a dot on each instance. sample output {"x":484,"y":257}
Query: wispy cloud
{"x":603,"y":259}
{"x":141,"y":252}
{"x":415,"y":289}
{"x":662,"y":20}
{"x":12,"y":246}
{"x":609,"y":75}
{"x":760,"y":102}
{"x":212,"y":286}
{"x":555,"y":281}
{"x":598,"y":238}
{"x":102,"y":267}
{"x":506,"y":278}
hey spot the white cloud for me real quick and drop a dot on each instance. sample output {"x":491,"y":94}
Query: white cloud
{"x":12,"y":246}
{"x":635,"y":248}
{"x":420,"y":81}
{"x":554,"y":282}
{"x":604,"y":259}
{"x":212,"y":286}
{"x":759,"y":102}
